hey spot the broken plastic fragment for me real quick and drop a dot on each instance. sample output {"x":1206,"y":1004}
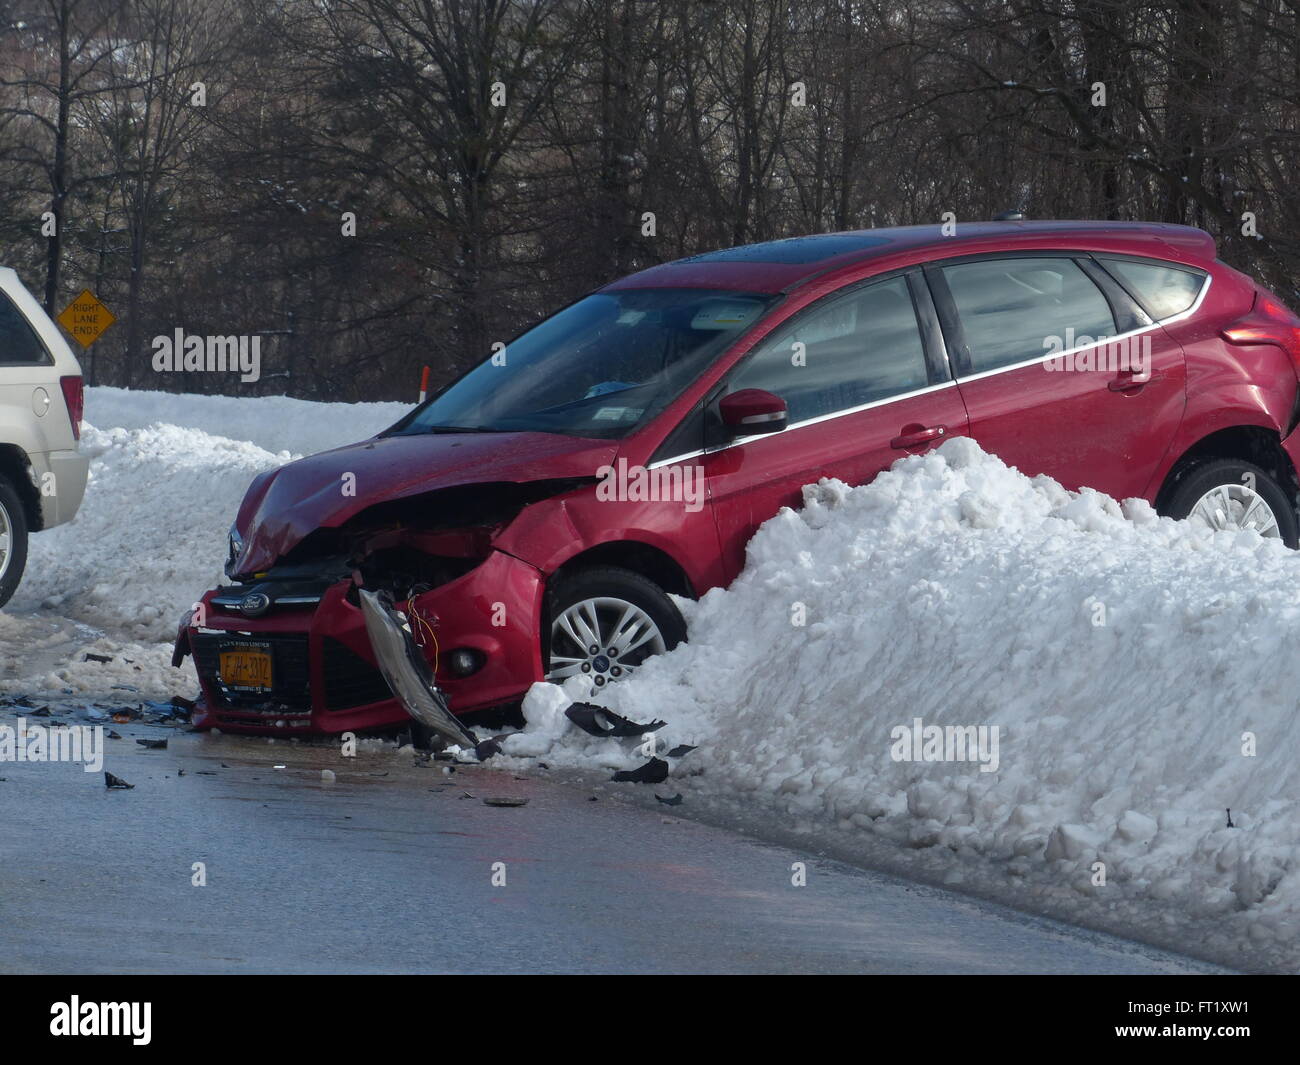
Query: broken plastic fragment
{"x":599,"y":721}
{"x":654,"y":771}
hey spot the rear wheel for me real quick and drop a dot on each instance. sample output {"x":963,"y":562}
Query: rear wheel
{"x":13,"y":540}
{"x":605,"y":622}
{"x":1235,"y":494}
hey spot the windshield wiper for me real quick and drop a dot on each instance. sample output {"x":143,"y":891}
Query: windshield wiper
{"x":462,"y":429}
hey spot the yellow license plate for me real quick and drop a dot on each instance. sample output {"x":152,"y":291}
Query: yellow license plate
{"x":246,"y":670}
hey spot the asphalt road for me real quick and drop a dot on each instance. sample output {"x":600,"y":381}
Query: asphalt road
{"x":391,"y":867}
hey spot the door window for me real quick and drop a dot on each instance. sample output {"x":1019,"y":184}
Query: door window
{"x":844,"y":352}
{"x":1017,"y":310}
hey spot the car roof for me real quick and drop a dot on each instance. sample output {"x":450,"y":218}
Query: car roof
{"x":781,"y":265}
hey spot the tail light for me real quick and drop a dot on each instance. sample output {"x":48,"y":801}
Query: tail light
{"x":74,"y":395}
{"x":1269,"y":321}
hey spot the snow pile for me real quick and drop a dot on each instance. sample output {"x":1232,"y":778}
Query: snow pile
{"x":1141,"y":675}
{"x":165,"y":482}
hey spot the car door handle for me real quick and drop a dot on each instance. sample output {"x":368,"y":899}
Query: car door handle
{"x":1129,"y":379}
{"x":916,"y":435}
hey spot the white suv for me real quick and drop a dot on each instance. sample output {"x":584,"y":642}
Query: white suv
{"x":42,"y":477}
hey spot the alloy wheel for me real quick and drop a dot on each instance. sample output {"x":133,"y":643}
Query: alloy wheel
{"x":605,"y":638}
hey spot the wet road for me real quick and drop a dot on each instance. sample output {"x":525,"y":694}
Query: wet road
{"x":391,"y":869}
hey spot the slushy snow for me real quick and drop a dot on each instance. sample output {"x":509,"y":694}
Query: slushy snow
{"x":1140,"y":673}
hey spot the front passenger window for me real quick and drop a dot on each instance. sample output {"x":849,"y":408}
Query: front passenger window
{"x":846,"y":351}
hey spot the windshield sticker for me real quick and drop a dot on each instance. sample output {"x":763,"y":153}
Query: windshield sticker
{"x":618,"y":414}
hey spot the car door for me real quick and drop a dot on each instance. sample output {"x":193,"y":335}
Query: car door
{"x":865,"y":380}
{"x":1061,"y":372}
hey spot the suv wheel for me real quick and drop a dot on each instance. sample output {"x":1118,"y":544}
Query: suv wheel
{"x":1234,"y":494}
{"x":605,"y":622}
{"x":13,"y":540}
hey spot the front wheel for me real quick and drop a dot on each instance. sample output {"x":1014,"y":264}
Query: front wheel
{"x":1235,"y":494}
{"x":605,"y":622}
{"x":13,"y":540}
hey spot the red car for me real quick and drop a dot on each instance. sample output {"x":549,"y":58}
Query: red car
{"x":534,"y":517}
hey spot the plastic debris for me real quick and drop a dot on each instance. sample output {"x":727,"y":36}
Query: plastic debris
{"x":654,"y":771}
{"x":599,"y":721}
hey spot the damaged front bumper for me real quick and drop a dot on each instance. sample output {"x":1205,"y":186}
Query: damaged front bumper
{"x":309,"y":667}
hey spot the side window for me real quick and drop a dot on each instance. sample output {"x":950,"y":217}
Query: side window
{"x":849,"y":350}
{"x":19,"y":344}
{"x":1015,"y":310}
{"x":1163,"y":290}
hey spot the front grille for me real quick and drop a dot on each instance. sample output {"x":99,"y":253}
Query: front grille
{"x":290,"y":681}
{"x":349,"y":679}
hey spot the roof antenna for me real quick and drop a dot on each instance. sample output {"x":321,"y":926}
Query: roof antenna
{"x":1015,"y":215}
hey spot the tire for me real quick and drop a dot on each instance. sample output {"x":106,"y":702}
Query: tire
{"x":13,"y":540}
{"x":607,"y":592}
{"x":1235,"y":477}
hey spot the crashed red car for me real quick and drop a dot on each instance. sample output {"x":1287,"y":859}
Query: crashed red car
{"x":535,"y":517}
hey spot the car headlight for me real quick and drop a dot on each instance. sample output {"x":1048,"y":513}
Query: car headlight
{"x":236,"y":549}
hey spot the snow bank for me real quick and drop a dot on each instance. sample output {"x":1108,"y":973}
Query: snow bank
{"x":167,"y":475}
{"x":274,"y":423}
{"x":1141,"y":674}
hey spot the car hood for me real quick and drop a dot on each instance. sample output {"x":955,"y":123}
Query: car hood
{"x":285,"y":505}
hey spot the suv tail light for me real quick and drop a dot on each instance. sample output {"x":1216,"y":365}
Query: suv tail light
{"x":74,"y":395}
{"x":1269,"y":321}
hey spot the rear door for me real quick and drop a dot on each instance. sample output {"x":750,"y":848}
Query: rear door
{"x":1061,"y":372}
{"x":865,"y":378}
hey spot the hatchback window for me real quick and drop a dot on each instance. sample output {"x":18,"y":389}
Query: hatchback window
{"x":19,"y":344}
{"x":1017,"y":310}
{"x":598,"y":368}
{"x":845,"y":352}
{"x":1163,"y":290}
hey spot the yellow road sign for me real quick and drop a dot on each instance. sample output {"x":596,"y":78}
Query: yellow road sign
{"x":86,"y":318}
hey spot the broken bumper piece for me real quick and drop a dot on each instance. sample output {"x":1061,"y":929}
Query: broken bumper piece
{"x":404,"y":667}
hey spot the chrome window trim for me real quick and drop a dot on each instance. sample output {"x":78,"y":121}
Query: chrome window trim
{"x":1180,"y":316}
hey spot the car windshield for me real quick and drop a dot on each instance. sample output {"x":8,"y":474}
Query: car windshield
{"x":599,"y":368}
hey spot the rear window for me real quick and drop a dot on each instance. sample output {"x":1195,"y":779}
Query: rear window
{"x":19,"y":344}
{"x":1162,"y":290}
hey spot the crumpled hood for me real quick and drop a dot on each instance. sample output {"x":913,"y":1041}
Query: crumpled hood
{"x":285,"y":505}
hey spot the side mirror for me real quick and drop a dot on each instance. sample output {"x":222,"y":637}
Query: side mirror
{"x":753,"y":410}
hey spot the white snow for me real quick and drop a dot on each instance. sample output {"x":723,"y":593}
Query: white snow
{"x":1130,"y":664}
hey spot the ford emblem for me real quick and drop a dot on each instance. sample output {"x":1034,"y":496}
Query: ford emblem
{"x":255,"y":604}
